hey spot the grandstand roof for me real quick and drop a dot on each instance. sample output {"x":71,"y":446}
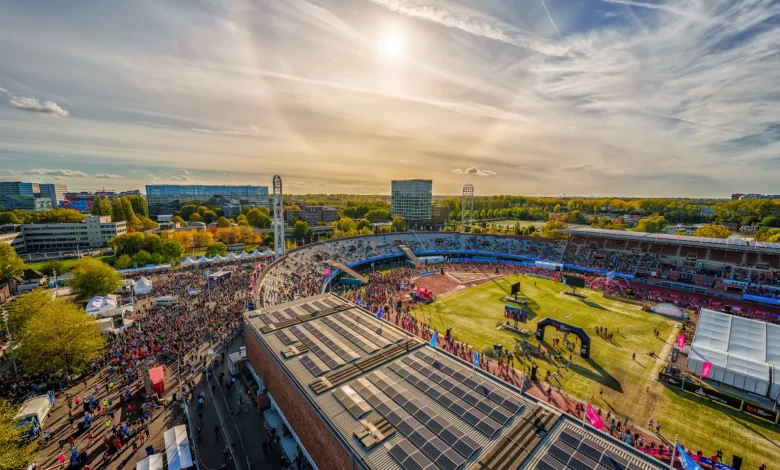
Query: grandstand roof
{"x":726,"y":243}
{"x":398,"y":404}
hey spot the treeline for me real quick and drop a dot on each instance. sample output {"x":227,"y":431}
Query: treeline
{"x":52,"y":216}
{"x":130,"y":209}
{"x":761,"y":212}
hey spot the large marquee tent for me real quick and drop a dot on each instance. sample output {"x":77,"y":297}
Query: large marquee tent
{"x":744,"y":353}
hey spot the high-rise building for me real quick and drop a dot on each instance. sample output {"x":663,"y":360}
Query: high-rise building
{"x":166,"y":198}
{"x":54,"y":192}
{"x":18,"y":195}
{"x":412,"y":199}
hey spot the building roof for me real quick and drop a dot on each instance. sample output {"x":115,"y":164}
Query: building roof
{"x":398,"y":404}
{"x":724,"y":243}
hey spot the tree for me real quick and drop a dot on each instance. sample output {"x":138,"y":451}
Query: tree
{"x":195,"y":218}
{"x":94,"y":277}
{"x":557,"y":208}
{"x":139,"y":205}
{"x":97,"y":206}
{"x":222,"y":222}
{"x":171,"y":251}
{"x":186,"y":211}
{"x":15,"y":450}
{"x":156,"y":259}
{"x":128,"y":243}
{"x":209,"y":216}
{"x":301,"y":230}
{"x":216,"y":248}
{"x":124,"y":262}
{"x":552,"y":229}
{"x":654,"y":224}
{"x":245,"y":209}
{"x":378,"y":215}
{"x":241,"y":220}
{"x":56,"y":216}
{"x":58,"y":337}
{"x":10,"y":263}
{"x":364,"y":223}
{"x":712,"y":231}
{"x":184,"y":238}
{"x":202,"y":210}
{"x":257,"y":218}
{"x":142,"y":258}
{"x":52,"y":266}
{"x":268,"y":240}
{"x":399,"y":224}
{"x":153,"y":243}
{"x":177,"y":219}
{"x":202,"y":238}
{"x":9,"y":218}
{"x":25,"y":307}
{"x":292,"y":208}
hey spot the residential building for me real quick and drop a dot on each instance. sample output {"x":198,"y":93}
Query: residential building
{"x":412,"y":199}
{"x":314,"y":215}
{"x":18,"y":195}
{"x":54,"y":192}
{"x":94,"y":232}
{"x":167,"y":198}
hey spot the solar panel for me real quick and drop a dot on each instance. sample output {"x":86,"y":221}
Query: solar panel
{"x":410,"y":458}
{"x":313,"y":367}
{"x":559,"y":453}
{"x":466,"y":446}
{"x":342,"y":350}
{"x":359,"y":341}
{"x":548,"y":463}
{"x":292,"y":313}
{"x":571,"y":439}
{"x":353,"y":402}
{"x":613,"y":461}
{"x":319,"y":306}
{"x":364,"y":328}
{"x":309,"y":308}
{"x":488,"y":427}
{"x":284,"y":338}
{"x":590,"y":451}
{"x":449,"y":460}
{"x":578,"y":462}
{"x":331,"y":361}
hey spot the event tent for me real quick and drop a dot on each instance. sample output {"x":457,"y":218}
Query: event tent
{"x":256,"y":254}
{"x":244,"y":255}
{"x":142,"y":286}
{"x":188,"y":262}
{"x":268,"y":252}
{"x":231,"y":256}
{"x":217,"y":257}
{"x":203,"y":259}
{"x":153,"y":462}
{"x":743,"y":352}
{"x":177,"y":448}
{"x":103,"y":306}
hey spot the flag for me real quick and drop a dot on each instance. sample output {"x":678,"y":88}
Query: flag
{"x":685,"y":460}
{"x":681,"y":340}
{"x":359,"y":302}
{"x":594,"y":418}
{"x":476,"y":359}
{"x":379,"y":313}
{"x":434,"y":339}
{"x":705,"y":369}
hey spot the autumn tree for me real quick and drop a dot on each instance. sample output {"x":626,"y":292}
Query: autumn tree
{"x":10,"y":263}
{"x":222,"y":222}
{"x":712,"y":231}
{"x":16,"y":451}
{"x":202,"y":238}
{"x":25,"y":307}
{"x":94,"y":277}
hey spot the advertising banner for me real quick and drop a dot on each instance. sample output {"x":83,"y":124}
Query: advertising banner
{"x":759,"y":412}
{"x":705,"y":369}
{"x":670,"y":380}
{"x":517,"y":314}
{"x":713,"y":395}
{"x":681,"y":340}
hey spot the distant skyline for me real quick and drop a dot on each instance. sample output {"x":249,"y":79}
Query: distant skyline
{"x":645,"y":98}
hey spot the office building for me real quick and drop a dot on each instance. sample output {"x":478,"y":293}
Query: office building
{"x":21,"y":196}
{"x":354,"y":392}
{"x":15,"y":239}
{"x":54,"y":192}
{"x":94,"y":232}
{"x":412,"y":199}
{"x":167,"y":198}
{"x":232,"y":209}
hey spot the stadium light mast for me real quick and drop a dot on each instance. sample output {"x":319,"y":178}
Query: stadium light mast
{"x":278,"y":225}
{"x":468,"y":195}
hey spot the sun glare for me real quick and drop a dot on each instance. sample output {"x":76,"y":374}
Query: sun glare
{"x":391,"y":46}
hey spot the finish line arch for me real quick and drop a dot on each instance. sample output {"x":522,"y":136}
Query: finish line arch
{"x":566,"y":328}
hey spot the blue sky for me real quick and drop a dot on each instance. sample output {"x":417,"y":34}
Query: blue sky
{"x":596,"y":97}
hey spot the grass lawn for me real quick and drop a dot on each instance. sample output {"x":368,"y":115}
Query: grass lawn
{"x":70,"y":263}
{"x":630,"y":387}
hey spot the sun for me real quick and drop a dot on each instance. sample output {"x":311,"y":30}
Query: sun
{"x":391,"y":46}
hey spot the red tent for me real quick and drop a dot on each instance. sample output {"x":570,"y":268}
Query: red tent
{"x":157,"y":379}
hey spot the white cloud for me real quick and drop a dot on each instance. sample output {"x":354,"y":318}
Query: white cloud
{"x":109,"y":176}
{"x":3,"y":90}
{"x":57,"y":172}
{"x":474,"y":171}
{"x":28,"y":103}
{"x":184,"y":171}
{"x":180,"y":178}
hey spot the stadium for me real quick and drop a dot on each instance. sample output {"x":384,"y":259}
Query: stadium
{"x":342,"y":344}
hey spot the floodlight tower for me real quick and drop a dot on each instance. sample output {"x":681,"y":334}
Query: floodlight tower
{"x":278,"y":225}
{"x":468,"y":195}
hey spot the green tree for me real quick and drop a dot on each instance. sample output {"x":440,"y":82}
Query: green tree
{"x":345,"y":225}
{"x":557,"y":208}
{"x":59,"y":336}
{"x":142,"y":258}
{"x":222,"y":222}
{"x":9,"y":218}
{"x":209,"y":216}
{"x":56,"y":216}
{"x":216,"y":248}
{"x":94,"y":277}
{"x":364,"y":223}
{"x":656,"y":224}
{"x":301,"y":230}
{"x":268,"y":240}
{"x":257,"y":218}
{"x":97,"y":206}
{"x":453,"y":215}
{"x":153,"y":243}
{"x":128,"y":243}
{"x":156,"y":259}
{"x":139,"y":205}
{"x":712,"y":231}
{"x":10,"y":263}
{"x":399,"y":224}
{"x":15,"y":450}
{"x":378,"y":215}
{"x":245,"y":209}
{"x":172,"y":251}
{"x":123,"y":262}
{"x":177,"y":219}
{"x":195,"y":217}
{"x":241,"y":220}
{"x":52,"y":266}
{"x":186,"y":211}
{"x":202,"y":209}
{"x":552,"y":229}
{"x":25,"y":307}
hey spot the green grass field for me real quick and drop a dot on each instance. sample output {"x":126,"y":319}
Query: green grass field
{"x":630,"y":387}
{"x":70,"y":263}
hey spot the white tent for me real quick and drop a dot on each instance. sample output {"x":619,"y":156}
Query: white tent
{"x":218,"y":258}
{"x":177,"y":448}
{"x":743,"y":352}
{"x":188,"y":262}
{"x":231,"y":256}
{"x":256,"y":253}
{"x":203,"y":259}
{"x":669,"y":310}
{"x":143,"y":286}
{"x":153,"y":462}
{"x":103,"y":306}
{"x":268,"y":252}
{"x":244,"y":254}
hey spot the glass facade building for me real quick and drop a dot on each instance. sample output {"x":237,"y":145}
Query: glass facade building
{"x":166,"y":198}
{"x":412,"y":199}
{"x":17,"y":195}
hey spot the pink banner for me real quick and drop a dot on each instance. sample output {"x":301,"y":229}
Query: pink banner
{"x":705,"y":369}
{"x":326,"y":272}
{"x":594,"y":418}
{"x":681,"y":340}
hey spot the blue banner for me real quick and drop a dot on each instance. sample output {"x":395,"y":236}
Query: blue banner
{"x":428,"y":273}
{"x":758,"y":298}
{"x":686,"y":461}
{"x":515,"y":313}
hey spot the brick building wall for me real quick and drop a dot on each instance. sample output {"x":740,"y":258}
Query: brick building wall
{"x":317,"y":438}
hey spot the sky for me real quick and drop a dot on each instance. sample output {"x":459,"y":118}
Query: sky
{"x":645,"y":98}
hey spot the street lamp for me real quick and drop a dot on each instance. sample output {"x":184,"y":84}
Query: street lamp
{"x":10,"y":341}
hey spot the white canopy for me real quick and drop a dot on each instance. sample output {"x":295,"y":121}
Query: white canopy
{"x":188,"y":262}
{"x":244,"y":254}
{"x":256,"y":253}
{"x":268,"y":252}
{"x":231,"y":256}
{"x":103,"y":306}
{"x":177,"y":448}
{"x":153,"y":462}
{"x":143,"y":286}
{"x":742,"y":351}
{"x":217,"y":257}
{"x":203,"y":259}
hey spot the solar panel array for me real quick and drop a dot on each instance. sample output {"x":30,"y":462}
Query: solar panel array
{"x":285,"y":338}
{"x":316,"y":367}
{"x":330,"y":302}
{"x":409,"y":457}
{"x":431,"y":444}
{"x":573,"y":451}
{"x":347,"y":333}
{"x":353,"y":402}
{"x":309,"y":308}
{"x":483,"y":388}
{"x":365,"y":328}
{"x":325,"y":356}
{"x":476,"y":415}
{"x":342,"y":350}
